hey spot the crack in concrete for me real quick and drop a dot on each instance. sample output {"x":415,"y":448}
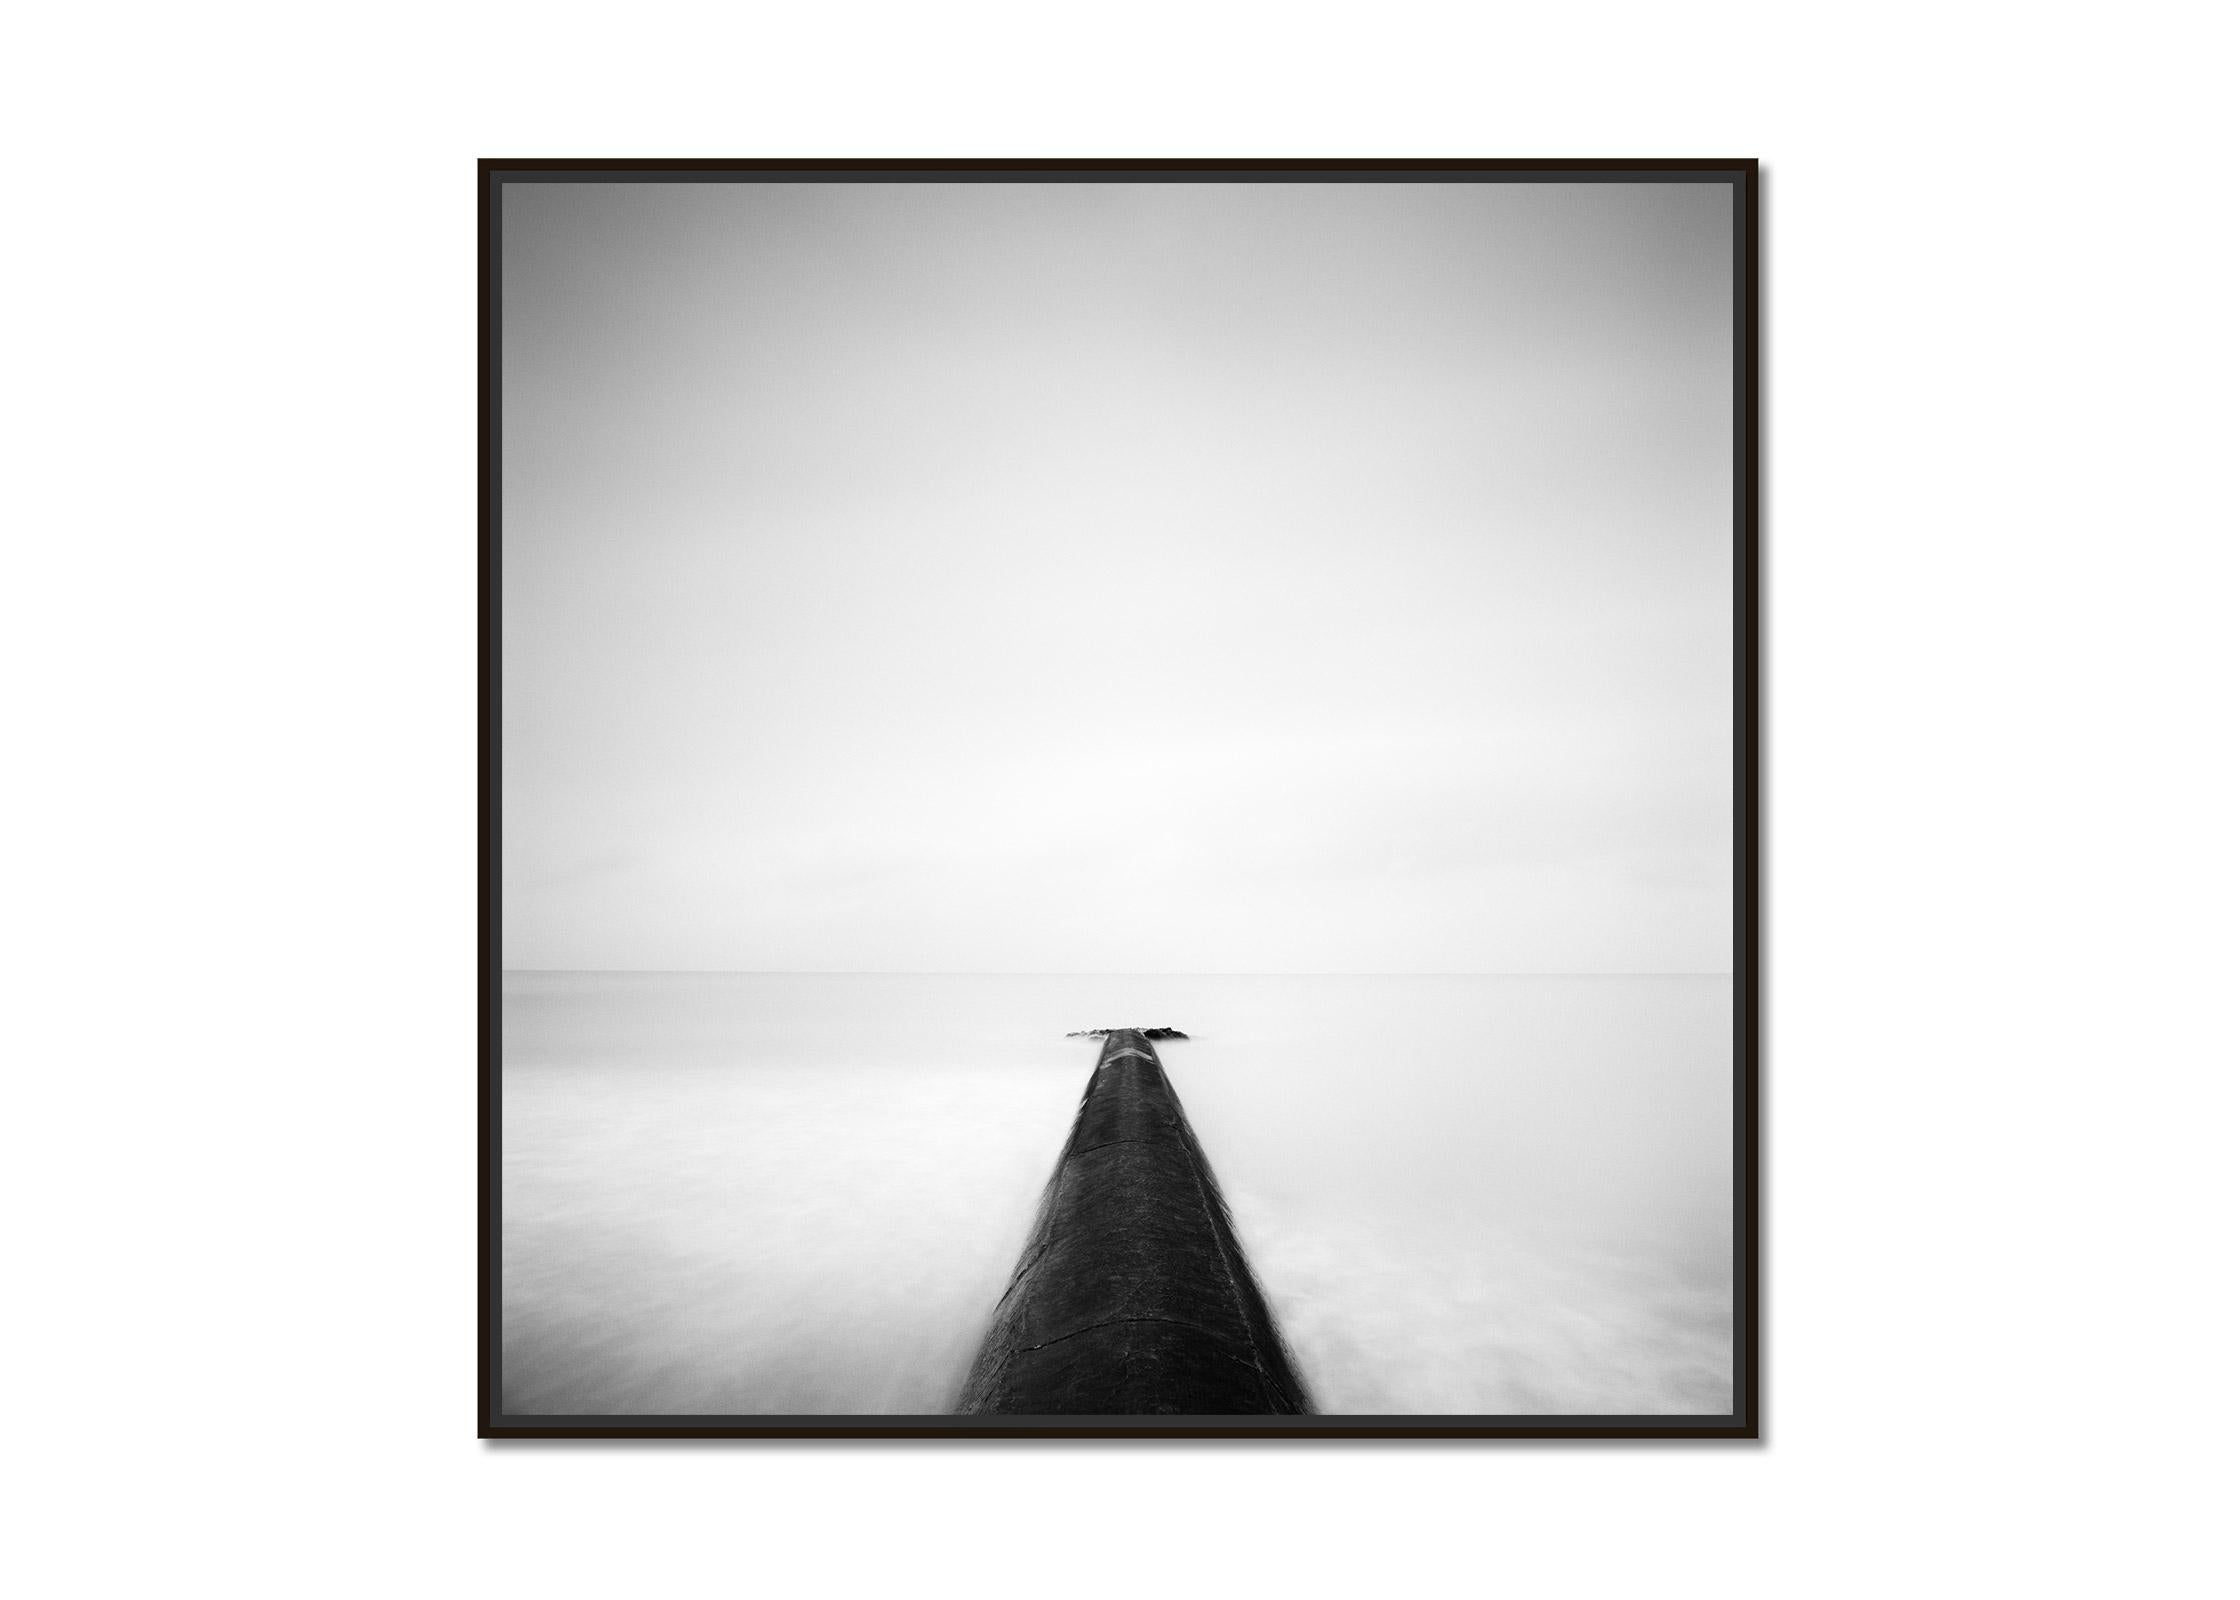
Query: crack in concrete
{"x":1121,"y":1322}
{"x":1092,"y":1149}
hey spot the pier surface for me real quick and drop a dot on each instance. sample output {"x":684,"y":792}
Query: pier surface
{"x":1132,"y":1295}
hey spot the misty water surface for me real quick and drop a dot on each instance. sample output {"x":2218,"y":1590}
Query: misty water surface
{"x":763,"y":1193}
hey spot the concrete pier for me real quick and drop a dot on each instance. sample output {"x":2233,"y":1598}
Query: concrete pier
{"x":1132,"y":1295}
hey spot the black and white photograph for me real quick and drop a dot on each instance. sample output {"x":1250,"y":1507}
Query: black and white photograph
{"x":1117,"y":797}
{"x":1317,"y":801}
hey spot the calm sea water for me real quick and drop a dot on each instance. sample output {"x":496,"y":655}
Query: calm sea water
{"x":800,"y":1193}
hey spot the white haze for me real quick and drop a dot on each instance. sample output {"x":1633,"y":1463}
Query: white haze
{"x":1117,"y":577}
{"x":799,"y":1194}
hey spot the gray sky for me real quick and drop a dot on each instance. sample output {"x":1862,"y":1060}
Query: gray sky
{"x":1098,"y":577}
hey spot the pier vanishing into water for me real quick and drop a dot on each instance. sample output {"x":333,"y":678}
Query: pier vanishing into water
{"x":1132,"y":1295}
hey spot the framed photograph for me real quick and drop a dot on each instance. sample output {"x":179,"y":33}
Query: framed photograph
{"x":1119,"y":798}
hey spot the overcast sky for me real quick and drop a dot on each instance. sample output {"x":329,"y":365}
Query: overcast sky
{"x":1117,"y":577}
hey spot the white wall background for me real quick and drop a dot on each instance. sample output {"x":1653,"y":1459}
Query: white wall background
{"x":237,"y":637}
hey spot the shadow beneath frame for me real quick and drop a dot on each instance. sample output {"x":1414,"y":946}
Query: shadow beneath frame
{"x":947,"y":1442}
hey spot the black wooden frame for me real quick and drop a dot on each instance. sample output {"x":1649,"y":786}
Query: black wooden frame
{"x":1745,"y":1421}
